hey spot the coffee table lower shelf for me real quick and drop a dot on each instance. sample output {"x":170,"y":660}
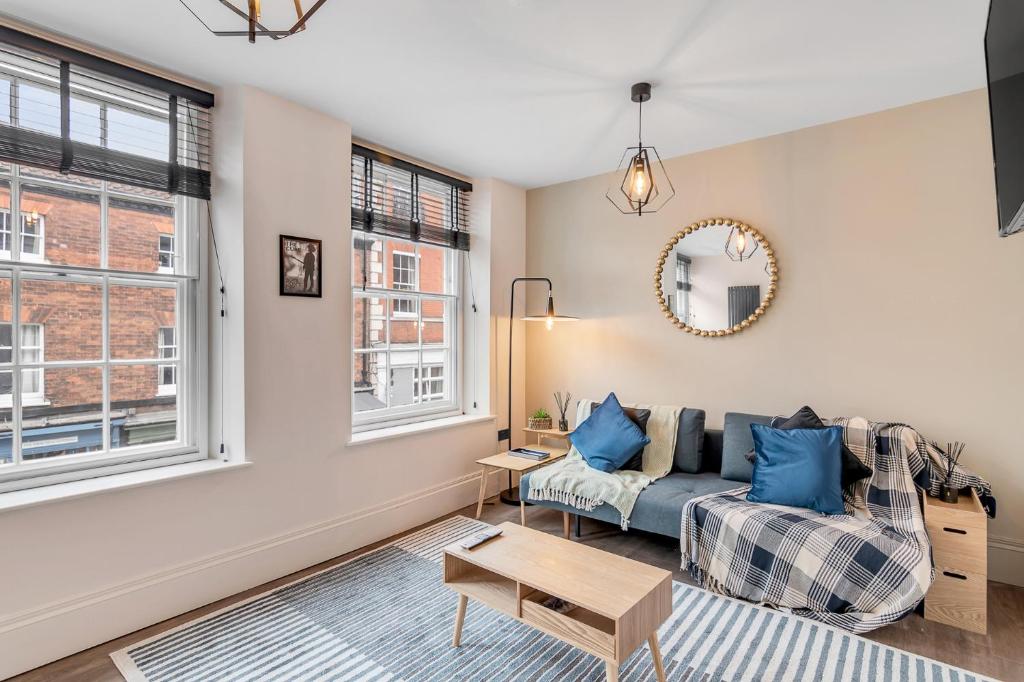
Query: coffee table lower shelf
{"x":584,"y":629}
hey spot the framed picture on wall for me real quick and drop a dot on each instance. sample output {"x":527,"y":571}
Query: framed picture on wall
{"x":301,"y":266}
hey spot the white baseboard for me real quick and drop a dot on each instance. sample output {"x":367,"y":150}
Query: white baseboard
{"x":1006,"y":560}
{"x":40,"y":635}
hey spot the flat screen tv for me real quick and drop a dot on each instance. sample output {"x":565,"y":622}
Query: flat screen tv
{"x":1004,"y":56}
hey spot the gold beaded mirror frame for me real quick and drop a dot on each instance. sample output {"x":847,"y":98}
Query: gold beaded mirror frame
{"x":716,"y":277}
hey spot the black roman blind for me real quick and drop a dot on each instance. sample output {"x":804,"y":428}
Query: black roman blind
{"x":395,"y":198}
{"x":73,"y":112}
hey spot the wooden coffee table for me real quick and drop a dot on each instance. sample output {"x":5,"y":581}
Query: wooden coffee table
{"x":619,"y":603}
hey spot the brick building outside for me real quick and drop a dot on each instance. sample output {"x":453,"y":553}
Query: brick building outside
{"x":396,"y":266}
{"x":61,"y":317}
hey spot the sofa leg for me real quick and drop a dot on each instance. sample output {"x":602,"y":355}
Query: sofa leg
{"x":565,"y":525}
{"x":578,"y":516}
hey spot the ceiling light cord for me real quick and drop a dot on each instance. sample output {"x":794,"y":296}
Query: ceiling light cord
{"x":640,"y":127}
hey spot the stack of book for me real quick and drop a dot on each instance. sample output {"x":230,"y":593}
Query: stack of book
{"x":529,"y":454}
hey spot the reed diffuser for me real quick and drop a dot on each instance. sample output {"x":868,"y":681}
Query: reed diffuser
{"x":948,"y":491}
{"x":563,"y":407}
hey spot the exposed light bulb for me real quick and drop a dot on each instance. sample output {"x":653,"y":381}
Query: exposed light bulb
{"x":549,"y":323}
{"x":258,"y":9}
{"x":639,"y":182}
{"x":741,"y":243}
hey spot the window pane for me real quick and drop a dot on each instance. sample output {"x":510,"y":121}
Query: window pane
{"x":367,"y":260}
{"x":85,"y":121}
{"x":140,"y":413}
{"x":405,"y":323}
{"x":369,"y":322}
{"x":137,"y":313}
{"x":38,"y":108}
{"x":404,"y":369}
{"x":5,"y":102}
{"x":432,"y":387}
{"x":67,"y":178}
{"x":69,"y":313}
{"x":138,"y":134}
{"x":400,"y":259}
{"x":71,"y":419}
{"x":140,"y":235}
{"x":368,"y":385}
{"x":6,"y":221}
{"x":435,"y":269}
{"x":60,"y":225}
{"x":435,"y":326}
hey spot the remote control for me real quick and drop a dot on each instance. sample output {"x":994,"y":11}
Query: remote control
{"x":480,"y":538}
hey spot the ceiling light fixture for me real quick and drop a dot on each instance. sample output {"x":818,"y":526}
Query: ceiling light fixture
{"x":645,"y":186}
{"x":737,"y":243}
{"x":252,"y":15}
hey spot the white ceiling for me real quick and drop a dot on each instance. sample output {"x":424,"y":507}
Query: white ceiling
{"x":536,"y":91}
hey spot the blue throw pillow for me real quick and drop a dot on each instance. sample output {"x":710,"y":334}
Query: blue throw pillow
{"x":608,"y":438}
{"x":798,"y":468}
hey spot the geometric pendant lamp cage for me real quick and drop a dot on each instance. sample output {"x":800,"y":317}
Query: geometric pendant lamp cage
{"x":251,"y":11}
{"x":641,"y":184}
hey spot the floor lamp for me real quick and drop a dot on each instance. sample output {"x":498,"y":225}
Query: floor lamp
{"x":549,"y":318}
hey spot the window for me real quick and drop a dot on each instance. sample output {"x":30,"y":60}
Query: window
{"x":403,"y":276}
{"x":682,"y":307}
{"x":167,"y":349}
{"x":165,"y":253}
{"x":408,"y":231}
{"x":404,"y":332}
{"x":431,"y":386}
{"x":99,"y":333}
{"x":32,"y":350}
{"x":31,"y":235}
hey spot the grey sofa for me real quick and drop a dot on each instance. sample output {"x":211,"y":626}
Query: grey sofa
{"x":705,"y":461}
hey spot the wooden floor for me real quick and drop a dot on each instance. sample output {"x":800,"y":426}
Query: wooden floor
{"x":999,"y":654}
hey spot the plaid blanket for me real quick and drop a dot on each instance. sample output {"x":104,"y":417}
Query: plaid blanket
{"x":858,"y":571}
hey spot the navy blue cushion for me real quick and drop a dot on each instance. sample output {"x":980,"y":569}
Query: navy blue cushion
{"x":798,"y":468}
{"x":608,"y":438}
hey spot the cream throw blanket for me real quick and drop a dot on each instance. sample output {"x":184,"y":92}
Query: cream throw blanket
{"x":574,"y":483}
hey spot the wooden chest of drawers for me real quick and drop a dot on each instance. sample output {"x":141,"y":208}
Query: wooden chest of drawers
{"x":959,"y":536}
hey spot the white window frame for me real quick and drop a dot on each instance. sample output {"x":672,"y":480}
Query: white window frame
{"x":160,"y":251}
{"x":423,"y":381}
{"x":420,"y":410}
{"x":29,"y":398}
{"x":398,"y":304}
{"x":40,"y":236}
{"x":163,"y":389}
{"x":191,"y":292}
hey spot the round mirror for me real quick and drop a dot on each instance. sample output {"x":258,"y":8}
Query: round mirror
{"x":715,"y":277}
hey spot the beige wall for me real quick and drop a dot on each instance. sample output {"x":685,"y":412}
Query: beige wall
{"x":79,"y":572}
{"x":897,"y":300}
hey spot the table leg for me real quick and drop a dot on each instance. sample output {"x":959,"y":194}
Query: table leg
{"x":482,"y":494}
{"x":611,"y":669}
{"x":565,"y":525}
{"x":460,"y":616}
{"x":522,"y":513}
{"x":659,"y":667}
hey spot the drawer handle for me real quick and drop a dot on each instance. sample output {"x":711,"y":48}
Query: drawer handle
{"x":958,"y":576}
{"x":958,"y":531}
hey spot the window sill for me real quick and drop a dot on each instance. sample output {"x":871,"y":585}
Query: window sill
{"x":21,"y":499}
{"x":376,"y":435}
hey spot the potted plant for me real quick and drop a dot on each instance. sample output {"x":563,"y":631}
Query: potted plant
{"x":540,"y":419}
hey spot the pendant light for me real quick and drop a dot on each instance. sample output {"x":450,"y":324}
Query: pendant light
{"x":252,"y":11}
{"x":645,"y":186}
{"x":738,"y":245}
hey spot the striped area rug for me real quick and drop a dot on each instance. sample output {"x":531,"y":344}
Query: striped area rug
{"x":386,"y":616}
